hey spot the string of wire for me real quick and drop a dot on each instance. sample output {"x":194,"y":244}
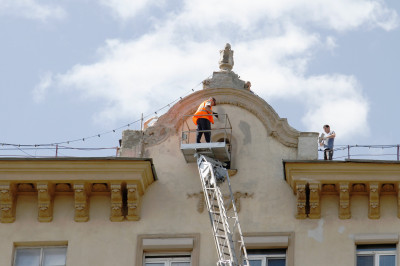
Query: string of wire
{"x":98,"y":135}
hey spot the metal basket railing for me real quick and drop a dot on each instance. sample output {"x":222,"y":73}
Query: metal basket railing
{"x":221,"y":130}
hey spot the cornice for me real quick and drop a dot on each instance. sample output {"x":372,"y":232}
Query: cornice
{"x":124,"y":180}
{"x":310,"y":180}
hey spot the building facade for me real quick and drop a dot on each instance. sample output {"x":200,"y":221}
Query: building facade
{"x":132,"y":210}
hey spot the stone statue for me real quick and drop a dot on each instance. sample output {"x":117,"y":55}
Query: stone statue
{"x":226,"y":61}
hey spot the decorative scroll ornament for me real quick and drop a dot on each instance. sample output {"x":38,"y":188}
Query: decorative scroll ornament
{"x":45,"y":201}
{"x":7,"y":203}
{"x":133,"y":202}
{"x":301,"y":200}
{"x":315,"y":207}
{"x":81,"y":202}
{"x":374,"y":208}
{"x":116,"y":203}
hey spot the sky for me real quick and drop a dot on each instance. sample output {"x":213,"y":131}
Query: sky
{"x":73,"y":72}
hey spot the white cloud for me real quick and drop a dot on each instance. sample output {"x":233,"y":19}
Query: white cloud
{"x":331,"y":43}
{"x":40,"y":90}
{"x":127,"y":9}
{"x":273,"y":43}
{"x":338,"y":15}
{"x":31,"y":9}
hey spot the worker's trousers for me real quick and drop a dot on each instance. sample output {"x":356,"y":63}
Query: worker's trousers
{"x":203,"y":127}
{"x":328,"y":154}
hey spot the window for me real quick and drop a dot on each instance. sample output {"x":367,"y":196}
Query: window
{"x":168,"y":250}
{"x":270,"y":249}
{"x":376,"y":255}
{"x":267,"y":257}
{"x":40,"y":256}
{"x":167,"y":260}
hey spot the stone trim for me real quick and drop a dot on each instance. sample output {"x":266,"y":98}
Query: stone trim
{"x":82,"y":192}
{"x":124,"y":180}
{"x":7,"y":202}
{"x":312,"y":179}
{"x":344,"y":200}
{"x":315,"y":205}
{"x":167,"y":243}
{"x":116,"y":203}
{"x":134,"y":202}
{"x":45,"y":191}
{"x":301,"y":200}
{"x":171,"y":122}
{"x":376,"y":239}
{"x":161,"y":243}
{"x":256,"y":242}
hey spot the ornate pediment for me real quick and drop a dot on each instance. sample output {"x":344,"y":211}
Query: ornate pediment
{"x":171,"y":122}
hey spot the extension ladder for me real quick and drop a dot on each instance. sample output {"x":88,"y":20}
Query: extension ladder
{"x":224,"y":220}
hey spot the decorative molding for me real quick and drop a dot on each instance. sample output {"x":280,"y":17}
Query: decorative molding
{"x":116,"y":203}
{"x":301,"y":200}
{"x":7,"y":202}
{"x":398,"y":200}
{"x":227,"y":200}
{"x":133,"y":202}
{"x":82,"y":191}
{"x":314,"y":198}
{"x":374,"y":206}
{"x":344,"y":200}
{"x":376,"y":238}
{"x":79,"y":178}
{"x":45,"y":201}
{"x":342,"y":178}
{"x":170,"y":123}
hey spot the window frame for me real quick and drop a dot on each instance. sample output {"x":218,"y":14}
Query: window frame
{"x":167,"y":258}
{"x":264,"y":257}
{"x":271,"y":241}
{"x":42,"y":248}
{"x":376,"y":254}
{"x":168,"y":250}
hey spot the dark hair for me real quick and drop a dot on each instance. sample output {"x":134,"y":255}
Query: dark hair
{"x":326,"y":126}
{"x":212,"y":98}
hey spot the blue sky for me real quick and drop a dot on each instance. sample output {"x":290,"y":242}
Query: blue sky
{"x":73,"y":69}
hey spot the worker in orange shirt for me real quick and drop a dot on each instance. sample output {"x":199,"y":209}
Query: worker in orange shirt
{"x":203,"y":119}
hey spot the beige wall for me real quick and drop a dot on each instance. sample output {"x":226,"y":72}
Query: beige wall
{"x":166,"y":208}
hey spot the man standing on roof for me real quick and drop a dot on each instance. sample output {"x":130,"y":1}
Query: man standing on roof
{"x":203,"y":119}
{"x":327,"y":141}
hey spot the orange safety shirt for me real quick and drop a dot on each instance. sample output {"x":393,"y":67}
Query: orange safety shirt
{"x":203,"y":113}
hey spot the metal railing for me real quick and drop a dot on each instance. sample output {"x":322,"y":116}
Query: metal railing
{"x":365,"y":152}
{"x":221,"y":130}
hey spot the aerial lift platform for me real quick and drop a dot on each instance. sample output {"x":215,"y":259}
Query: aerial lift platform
{"x":211,"y":159}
